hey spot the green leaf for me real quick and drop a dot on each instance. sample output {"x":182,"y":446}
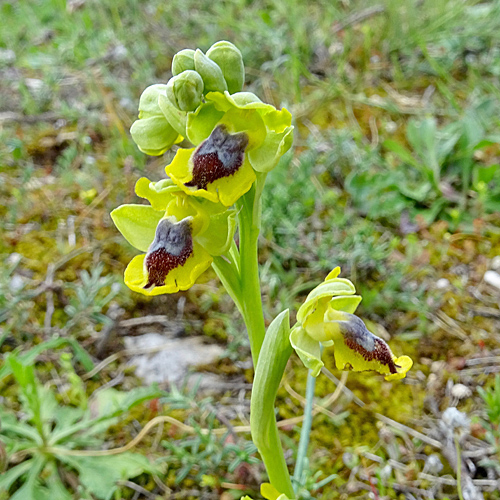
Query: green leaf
{"x":7,"y":479}
{"x":31,"y":490}
{"x":11,"y":425}
{"x":30,"y":356}
{"x":274,"y":355}
{"x":99,"y":475}
{"x":423,"y":138}
{"x":109,"y":405}
{"x":25,"y":377}
{"x":418,"y":192}
{"x":113,"y":403}
{"x":400,"y":150}
{"x":137,"y":223}
{"x":485,"y":174}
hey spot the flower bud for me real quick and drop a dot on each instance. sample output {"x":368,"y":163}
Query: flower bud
{"x":153,"y":135}
{"x":185,"y":90}
{"x":152,"y":132}
{"x":183,"y":61}
{"x":148,"y":103}
{"x":229,"y":59}
{"x":210,"y":73}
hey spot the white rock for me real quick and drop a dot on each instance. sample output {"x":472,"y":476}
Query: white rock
{"x":492,"y":278}
{"x":17,"y":283}
{"x":7,"y":56}
{"x":442,"y":283}
{"x":461,"y":391}
{"x":171,"y":358}
{"x":495,"y":263}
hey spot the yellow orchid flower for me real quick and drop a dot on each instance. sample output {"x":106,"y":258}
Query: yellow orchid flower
{"x":236,"y":136}
{"x":326,"y":318}
{"x":180,"y":235}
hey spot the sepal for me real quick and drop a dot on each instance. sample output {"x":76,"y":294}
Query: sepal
{"x":308,"y":350}
{"x":137,"y":223}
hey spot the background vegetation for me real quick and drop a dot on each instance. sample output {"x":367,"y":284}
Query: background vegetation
{"x":394,"y":176}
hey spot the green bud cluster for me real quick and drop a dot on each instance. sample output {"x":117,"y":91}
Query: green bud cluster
{"x":163,"y":109}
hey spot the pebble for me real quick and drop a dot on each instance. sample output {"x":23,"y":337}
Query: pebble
{"x":461,"y":391}
{"x":492,"y":278}
{"x":442,"y":283}
{"x":495,"y":263}
{"x":7,"y":56}
{"x":174,"y":359}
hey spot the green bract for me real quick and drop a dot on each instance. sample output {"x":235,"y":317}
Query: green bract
{"x":204,"y":229}
{"x":153,"y":133}
{"x":326,"y":318}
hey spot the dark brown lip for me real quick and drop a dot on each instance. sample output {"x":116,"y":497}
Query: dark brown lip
{"x":221,"y":155}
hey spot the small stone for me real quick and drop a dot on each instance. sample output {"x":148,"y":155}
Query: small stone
{"x":17,"y":283}
{"x":438,"y":366}
{"x":461,"y":391}
{"x":433,"y":464}
{"x":495,"y":263}
{"x":170,"y":359}
{"x":7,"y":56}
{"x":13,"y":259}
{"x":442,"y":283}
{"x":492,"y":278}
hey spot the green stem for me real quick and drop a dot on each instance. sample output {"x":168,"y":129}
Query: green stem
{"x":459,"y":470}
{"x":251,"y":300}
{"x":274,"y":460}
{"x":305,"y":432}
{"x":264,"y":429}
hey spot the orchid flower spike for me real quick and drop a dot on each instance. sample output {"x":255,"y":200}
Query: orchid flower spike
{"x":326,"y":319}
{"x":179,"y":234}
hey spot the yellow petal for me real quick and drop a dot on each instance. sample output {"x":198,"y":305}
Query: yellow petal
{"x":179,"y":278}
{"x":358,"y":349}
{"x":404,"y":363}
{"x":333,"y":273}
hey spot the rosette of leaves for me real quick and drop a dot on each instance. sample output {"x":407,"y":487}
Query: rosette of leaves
{"x":46,"y":442}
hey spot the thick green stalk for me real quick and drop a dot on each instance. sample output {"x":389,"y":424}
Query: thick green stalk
{"x":305,"y":431}
{"x":251,"y":299}
{"x":270,"y":365}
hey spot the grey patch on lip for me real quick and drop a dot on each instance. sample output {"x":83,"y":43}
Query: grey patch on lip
{"x":356,"y":330}
{"x":229,"y":147}
{"x":172,"y":237}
